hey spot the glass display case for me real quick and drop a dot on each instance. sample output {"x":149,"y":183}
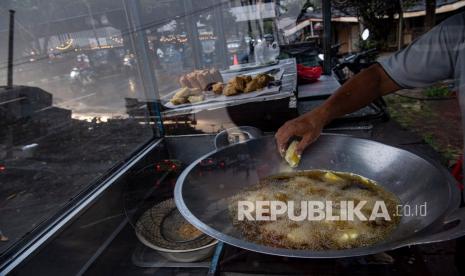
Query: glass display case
{"x":91,"y":134}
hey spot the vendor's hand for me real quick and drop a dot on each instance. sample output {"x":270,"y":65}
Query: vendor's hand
{"x":307,"y":126}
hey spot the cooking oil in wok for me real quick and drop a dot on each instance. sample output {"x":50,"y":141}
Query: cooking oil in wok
{"x":335,"y":231}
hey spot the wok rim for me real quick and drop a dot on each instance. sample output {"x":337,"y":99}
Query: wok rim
{"x":453,"y":204}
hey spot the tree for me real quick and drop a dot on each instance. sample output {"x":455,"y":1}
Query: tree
{"x":376,"y":15}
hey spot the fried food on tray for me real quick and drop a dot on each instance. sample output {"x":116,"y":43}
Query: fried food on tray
{"x":195,"y":92}
{"x":200,"y":79}
{"x":182,"y":93}
{"x":184,"y":81}
{"x":192,"y":78}
{"x":230,"y":90}
{"x":264,"y":79}
{"x":194,"y":83}
{"x":238,"y":82}
{"x":211,"y":78}
{"x":187,"y":95}
{"x":246,"y":84}
{"x":218,"y":88}
{"x":195,"y":99}
{"x":215,"y":75}
{"x":247,"y":78}
{"x":252,"y":86}
{"x":178,"y":101}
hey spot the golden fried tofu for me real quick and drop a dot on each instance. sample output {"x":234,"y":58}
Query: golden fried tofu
{"x":218,"y":88}
{"x":195,"y":99}
{"x":178,"y":101}
{"x":263,"y":80}
{"x":247,"y":78}
{"x":238,"y":83}
{"x":195,"y":92}
{"x":291,"y":156}
{"x":182,"y":93}
{"x":230,"y":90}
{"x":252,"y":86}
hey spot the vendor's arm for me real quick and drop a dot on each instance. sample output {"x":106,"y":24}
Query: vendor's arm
{"x":356,"y":93}
{"x":437,"y":55}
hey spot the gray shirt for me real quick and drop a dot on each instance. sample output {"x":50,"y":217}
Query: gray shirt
{"x":436,"y":55}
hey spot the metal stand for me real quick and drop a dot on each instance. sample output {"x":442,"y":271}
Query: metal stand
{"x":327,"y":37}
{"x":144,"y":60}
{"x":193,"y":33}
{"x":221,"y":37}
{"x":11,"y":35}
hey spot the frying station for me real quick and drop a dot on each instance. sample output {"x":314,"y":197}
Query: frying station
{"x":133,"y":221}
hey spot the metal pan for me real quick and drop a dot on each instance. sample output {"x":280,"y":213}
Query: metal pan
{"x":201,"y":192}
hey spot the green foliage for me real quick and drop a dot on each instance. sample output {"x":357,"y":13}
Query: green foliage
{"x":437,"y":91}
{"x":364,"y":45}
{"x":268,"y":26}
{"x":424,"y":119}
{"x":429,"y":139}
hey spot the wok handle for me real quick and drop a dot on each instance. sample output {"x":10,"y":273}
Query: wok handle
{"x":456,"y":231}
{"x":236,"y":135}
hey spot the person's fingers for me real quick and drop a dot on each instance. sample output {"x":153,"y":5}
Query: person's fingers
{"x":305,"y":142}
{"x":282,"y":137}
{"x":281,"y":141}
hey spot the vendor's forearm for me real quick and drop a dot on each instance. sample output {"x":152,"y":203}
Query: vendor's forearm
{"x":358,"y":92}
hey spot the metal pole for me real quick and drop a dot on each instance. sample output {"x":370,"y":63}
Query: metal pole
{"x":327,"y":37}
{"x":220,"y":36}
{"x":144,"y":60}
{"x":400,"y":42}
{"x":193,"y":33}
{"x":275,"y":22}
{"x":11,"y":35}
{"x":312,"y":34}
{"x":92,"y":23}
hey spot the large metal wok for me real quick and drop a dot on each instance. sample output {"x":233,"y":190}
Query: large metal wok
{"x":203,"y":188}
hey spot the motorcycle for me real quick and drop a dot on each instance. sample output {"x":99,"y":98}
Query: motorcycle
{"x":354,"y":63}
{"x":81,"y":80}
{"x":129,"y":64}
{"x":347,"y":66}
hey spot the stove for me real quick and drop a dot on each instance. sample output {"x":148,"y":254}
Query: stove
{"x":102,"y":240}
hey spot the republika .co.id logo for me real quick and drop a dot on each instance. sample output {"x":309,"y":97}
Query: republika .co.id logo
{"x":322,"y":210}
